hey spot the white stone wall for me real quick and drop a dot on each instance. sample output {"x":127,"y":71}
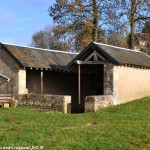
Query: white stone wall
{"x":22,"y":82}
{"x":130,"y":84}
{"x":67,"y":104}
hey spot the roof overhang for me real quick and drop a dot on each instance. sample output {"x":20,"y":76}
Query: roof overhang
{"x":4,"y":79}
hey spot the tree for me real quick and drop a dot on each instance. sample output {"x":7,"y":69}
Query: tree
{"x":142,"y":39}
{"x":82,"y":21}
{"x":137,"y":13}
{"x":45,"y":39}
{"x":117,"y":39}
{"x":146,"y":28}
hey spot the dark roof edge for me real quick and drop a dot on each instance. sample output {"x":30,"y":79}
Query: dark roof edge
{"x":9,"y":52}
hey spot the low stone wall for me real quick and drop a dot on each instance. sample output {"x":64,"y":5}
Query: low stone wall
{"x":53,"y":102}
{"x":95,"y":103}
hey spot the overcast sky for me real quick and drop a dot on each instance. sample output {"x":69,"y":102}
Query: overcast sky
{"x":20,"y":19}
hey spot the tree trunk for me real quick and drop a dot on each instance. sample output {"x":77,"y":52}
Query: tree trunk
{"x":95,"y":20}
{"x":132,"y":25}
{"x":132,"y":37}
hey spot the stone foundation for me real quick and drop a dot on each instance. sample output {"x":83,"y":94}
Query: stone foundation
{"x":53,"y":102}
{"x":95,"y":103}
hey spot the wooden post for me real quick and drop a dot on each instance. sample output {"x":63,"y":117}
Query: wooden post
{"x":79,"y":83}
{"x":41,"y":81}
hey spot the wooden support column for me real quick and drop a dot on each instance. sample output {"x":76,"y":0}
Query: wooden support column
{"x":79,"y":84}
{"x":41,"y":81}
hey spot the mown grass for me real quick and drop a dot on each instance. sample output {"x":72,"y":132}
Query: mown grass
{"x":124,"y":127}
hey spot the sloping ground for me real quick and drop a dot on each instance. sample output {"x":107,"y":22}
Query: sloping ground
{"x":124,"y":127}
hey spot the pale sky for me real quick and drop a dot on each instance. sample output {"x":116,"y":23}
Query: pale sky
{"x":20,"y":19}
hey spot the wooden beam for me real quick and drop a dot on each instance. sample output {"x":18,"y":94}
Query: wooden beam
{"x":101,"y":57}
{"x":87,"y":59}
{"x":41,"y":81}
{"x":90,"y":62}
{"x":95,"y":56}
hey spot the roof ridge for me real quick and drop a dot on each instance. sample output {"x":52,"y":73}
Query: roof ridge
{"x":50,"y":50}
{"x":118,"y":47}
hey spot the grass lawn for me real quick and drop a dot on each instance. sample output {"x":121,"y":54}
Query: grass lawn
{"x":124,"y":127}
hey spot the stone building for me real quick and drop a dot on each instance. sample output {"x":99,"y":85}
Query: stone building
{"x":99,"y":76}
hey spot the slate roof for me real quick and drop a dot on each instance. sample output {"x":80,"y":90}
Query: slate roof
{"x":114,"y":55}
{"x":43,"y":58}
{"x":125,"y":56}
{"x":37,"y":57}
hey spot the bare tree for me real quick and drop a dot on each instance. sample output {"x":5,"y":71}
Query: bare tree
{"x":146,"y":28}
{"x":137,"y":13}
{"x":45,"y":39}
{"x":82,"y":21}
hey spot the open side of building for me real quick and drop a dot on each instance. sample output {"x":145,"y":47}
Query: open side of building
{"x":99,"y":76}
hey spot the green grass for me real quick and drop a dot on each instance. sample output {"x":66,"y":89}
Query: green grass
{"x":124,"y":127}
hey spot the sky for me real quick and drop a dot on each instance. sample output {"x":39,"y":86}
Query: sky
{"x":20,"y":19}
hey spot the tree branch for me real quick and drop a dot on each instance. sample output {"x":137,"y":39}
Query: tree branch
{"x":141,"y":18}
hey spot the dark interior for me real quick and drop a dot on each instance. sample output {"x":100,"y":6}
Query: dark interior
{"x":63,"y":83}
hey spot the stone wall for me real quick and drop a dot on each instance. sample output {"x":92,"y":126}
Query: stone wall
{"x":8,"y":68}
{"x":53,"y":102}
{"x":108,"y":79}
{"x":130,"y":83}
{"x":95,"y":103}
